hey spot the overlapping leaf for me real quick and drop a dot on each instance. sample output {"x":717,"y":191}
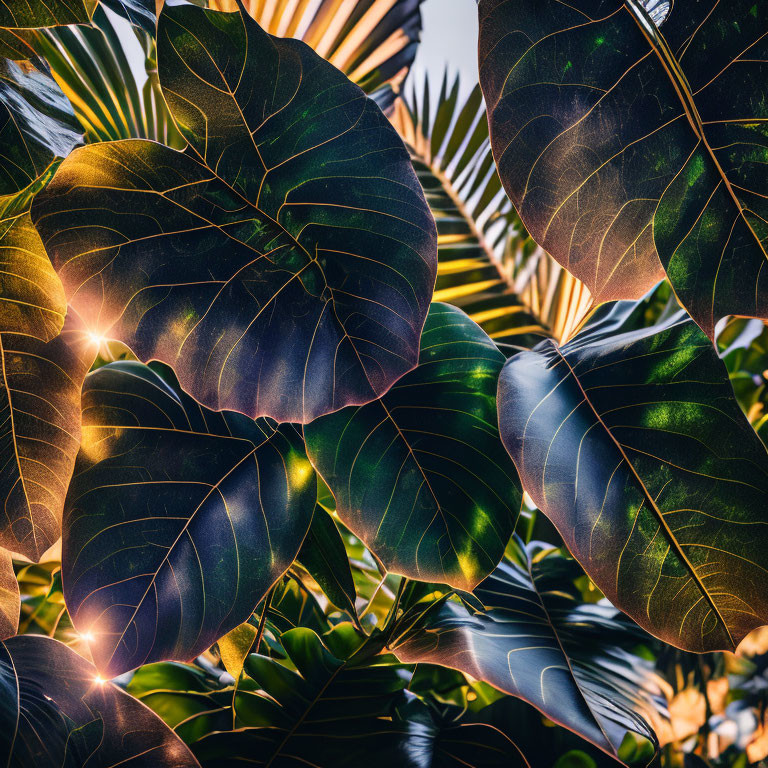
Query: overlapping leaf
{"x":421,"y":475}
{"x":10,"y":599}
{"x":633,"y":444}
{"x":373,"y":42}
{"x":281,"y":265}
{"x":623,"y":129}
{"x":55,"y":714}
{"x":20,"y":14}
{"x":37,"y":125}
{"x":39,"y":432}
{"x":178,"y":519}
{"x":537,"y":641}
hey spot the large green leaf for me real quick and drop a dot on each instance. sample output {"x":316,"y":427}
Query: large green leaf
{"x":178,"y":519}
{"x":56,"y":713}
{"x":37,"y":124}
{"x":281,"y":266}
{"x":421,"y":475}
{"x":621,"y":131}
{"x":39,"y":432}
{"x":633,"y":444}
{"x":538,"y":641}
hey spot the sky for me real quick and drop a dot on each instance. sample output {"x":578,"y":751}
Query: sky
{"x":449,"y":38}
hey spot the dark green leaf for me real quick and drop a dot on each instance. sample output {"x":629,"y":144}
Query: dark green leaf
{"x":421,"y":475}
{"x":329,"y":712}
{"x":537,"y":642}
{"x":20,"y":14}
{"x":325,"y":558}
{"x":617,"y":138}
{"x":633,"y":444}
{"x":178,"y":519}
{"x":281,"y":265}
{"x":56,"y":713}
{"x":37,"y":124}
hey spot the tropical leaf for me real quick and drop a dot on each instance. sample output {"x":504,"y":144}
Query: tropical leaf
{"x":32,"y":300}
{"x":37,"y":124}
{"x":10,"y":599}
{"x":452,"y":158}
{"x":374,"y":42}
{"x":292,"y":289}
{"x":626,"y":129}
{"x":421,"y":475}
{"x":20,"y":14}
{"x":57,"y":713}
{"x":632,"y":443}
{"x":330,"y":711}
{"x":93,"y":67}
{"x":536,"y":640}
{"x":39,"y":432}
{"x":177,"y":517}
{"x":325,"y":558}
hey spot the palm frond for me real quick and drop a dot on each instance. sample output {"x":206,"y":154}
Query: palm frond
{"x":487,"y":263}
{"x":373,"y":42}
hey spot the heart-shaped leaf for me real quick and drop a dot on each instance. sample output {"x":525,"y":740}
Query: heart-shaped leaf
{"x":37,"y":124}
{"x":178,"y":519}
{"x":57,"y":713}
{"x":10,"y":598}
{"x":537,"y":641}
{"x":633,"y":444}
{"x":39,"y":432}
{"x":626,"y":128}
{"x":284,"y":264}
{"x":421,"y":475}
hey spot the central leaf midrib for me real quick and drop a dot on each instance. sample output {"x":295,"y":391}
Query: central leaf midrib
{"x":676,"y":75}
{"x":670,"y":534}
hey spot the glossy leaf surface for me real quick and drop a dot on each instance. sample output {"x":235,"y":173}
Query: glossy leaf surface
{"x":178,"y":519}
{"x":617,"y":139}
{"x":279,"y":265}
{"x":37,"y":124}
{"x":421,"y":475}
{"x":39,"y":432}
{"x":633,"y":444}
{"x":325,"y":558}
{"x":537,"y":641}
{"x":55,"y":714}
{"x":19,"y":14}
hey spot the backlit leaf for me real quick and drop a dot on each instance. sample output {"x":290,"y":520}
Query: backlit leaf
{"x":283,"y":265}
{"x":39,"y":432}
{"x":178,"y":519}
{"x":56,"y":713}
{"x":37,"y":124}
{"x":536,"y":641}
{"x":623,"y":129}
{"x":19,"y":14}
{"x":421,"y":475}
{"x":10,"y":599}
{"x":633,"y":444}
